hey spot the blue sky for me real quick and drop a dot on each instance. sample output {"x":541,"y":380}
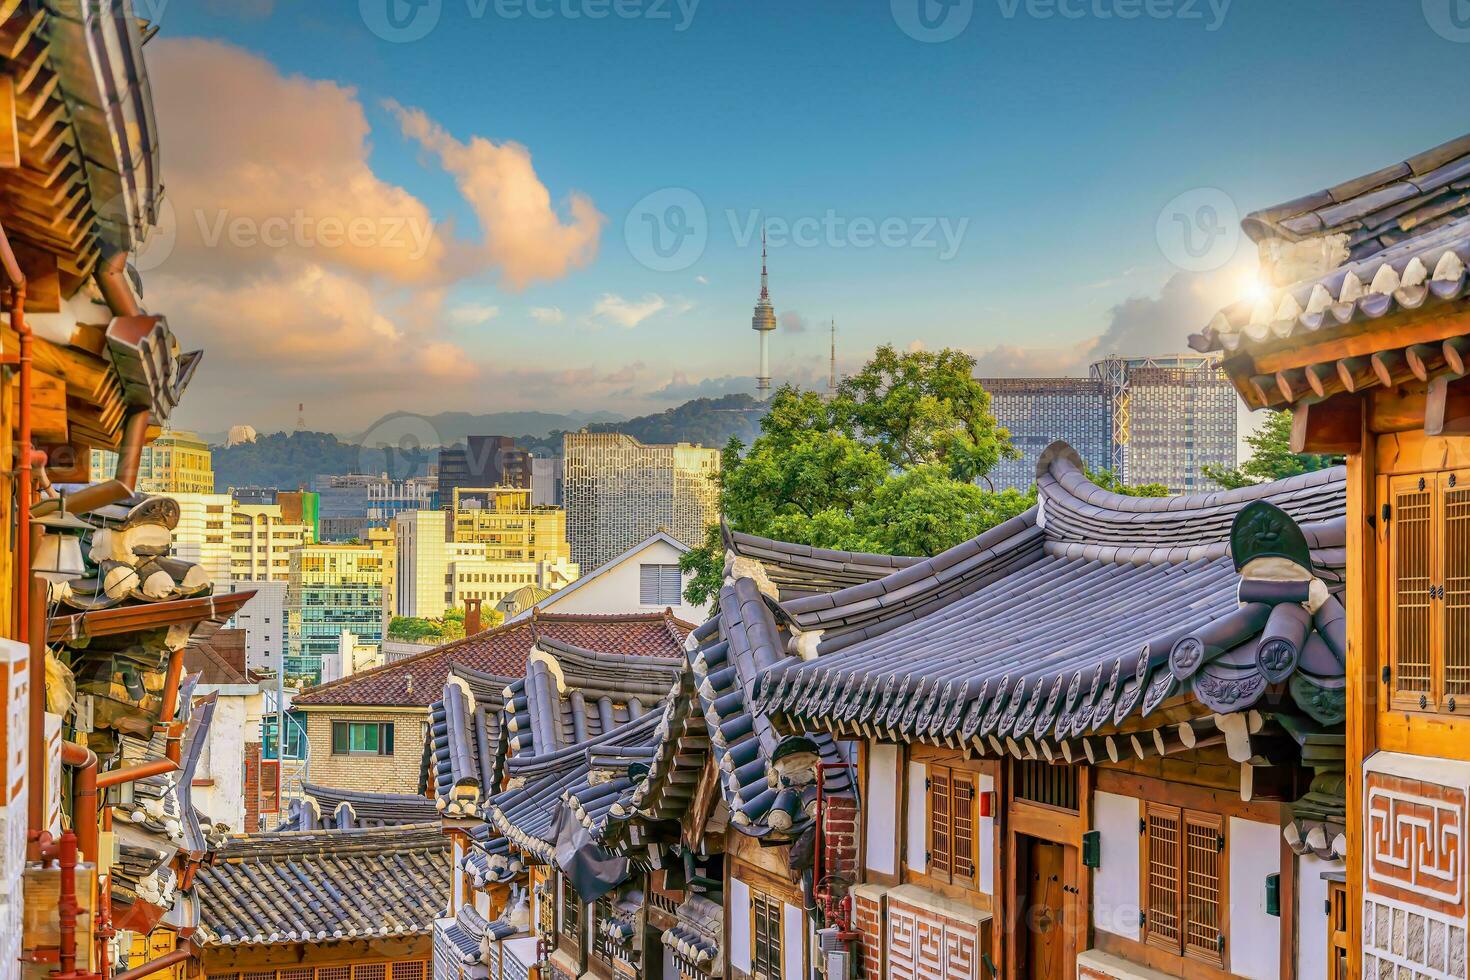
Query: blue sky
{"x":1052,"y":142}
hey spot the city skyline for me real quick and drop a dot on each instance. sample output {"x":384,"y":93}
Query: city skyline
{"x":446,"y":310}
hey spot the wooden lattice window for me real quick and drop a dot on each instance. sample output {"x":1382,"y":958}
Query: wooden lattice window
{"x":334,"y":973}
{"x":765,"y":937}
{"x":571,"y":913}
{"x":1183,"y":887}
{"x":1426,"y":521}
{"x":370,"y":971}
{"x":300,"y":973}
{"x":602,"y":946}
{"x":953,"y":796}
{"x":1050,"y":784}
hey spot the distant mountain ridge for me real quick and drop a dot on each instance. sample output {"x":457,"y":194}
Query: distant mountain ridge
{"x":289,"y":460}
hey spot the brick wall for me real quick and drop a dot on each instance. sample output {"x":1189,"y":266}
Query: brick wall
{"x":869,"y":925}
{"x":396,"y":773}
{"x":252,"y":787}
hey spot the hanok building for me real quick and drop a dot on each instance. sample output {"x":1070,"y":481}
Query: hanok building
{"x":350,"y":904}
{"x":367,"y":732}
{"x":1364,"y":335}
{"x":649,"y":814}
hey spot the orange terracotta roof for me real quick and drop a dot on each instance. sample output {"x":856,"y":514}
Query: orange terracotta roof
{"x":418,"y":681}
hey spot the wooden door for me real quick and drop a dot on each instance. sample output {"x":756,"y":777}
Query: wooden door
{"x":1452,"y":629}
{"x":1042,"y":911}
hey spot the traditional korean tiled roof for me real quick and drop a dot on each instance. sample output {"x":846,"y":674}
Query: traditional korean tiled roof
{"x":1080,"y":617}
{"x":800,"y":570}
{"x":568,"y":695}
{"x":319,"y":886}
{"x":419,"y":680}
{"x":1394,"y":241}
{"x":159,"y":820}
{"x":1378,"y":210}
{"x":588,"y":777}
{"x":332,"y":808}
{"x":696,"y":939}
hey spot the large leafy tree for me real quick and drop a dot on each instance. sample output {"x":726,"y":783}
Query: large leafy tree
{"x":888,"y":464}
{"x":1271,"y":457}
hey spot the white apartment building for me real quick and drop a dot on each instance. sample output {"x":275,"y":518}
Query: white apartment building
{"x":619,"y":491}
{"x":263,"y":619}
{"x":261,"y":541}
{"x":203,"y":534}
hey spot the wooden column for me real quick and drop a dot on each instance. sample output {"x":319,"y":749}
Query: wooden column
{"x":1362,"y":668}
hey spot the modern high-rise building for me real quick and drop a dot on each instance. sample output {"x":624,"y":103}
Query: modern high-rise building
{"x":1182,"y":419}
{"x":385,"y":539}
{"x":504,"y":520}
{"x":261,"y":541}
{"x":483,"y":461}
{"x":301,"y":507}
{"x":175,"y":462}
{"x":331,"y":588}
{"x":548,"y":475}
{"x":1146,"y":419}
{"x":343,"y":504}
{"x":619,"y":491}
{"x":1038,"y":412}
{"x":435,"y":574}
{"x":387,"y":498}
{"x":203,"y":534}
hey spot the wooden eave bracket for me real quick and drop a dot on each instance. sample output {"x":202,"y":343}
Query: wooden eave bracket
{"x":1333,"y":425}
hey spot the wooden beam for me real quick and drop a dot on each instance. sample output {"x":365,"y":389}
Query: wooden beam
{"x":1362,"y":338}
{"x":1356,"y":373}
{"x":1447,"y":407}
{"x":9,"y":125}
{"x":1456,"y":352}
{"x":1391,"y":366}
{"x":1331,"y":426}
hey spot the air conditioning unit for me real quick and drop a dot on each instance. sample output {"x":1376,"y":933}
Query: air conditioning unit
{"x":837,"y":959}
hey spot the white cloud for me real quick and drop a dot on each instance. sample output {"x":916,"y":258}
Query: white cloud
{"x":547,"y":314}
{"x":612,"y":308}
{"x":472,"y":314}
{"x":702,"y":280}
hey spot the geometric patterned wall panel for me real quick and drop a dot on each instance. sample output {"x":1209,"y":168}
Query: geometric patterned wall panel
{"x":1416,"y":829}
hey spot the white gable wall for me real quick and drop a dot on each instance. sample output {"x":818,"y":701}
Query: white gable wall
{"x":616,"y":589}
{"x":1255,"y":937}
{"x":793,"y":943}
{"x":917,"y":851}
{"x":1311,"y":914}
{"x":739,"y":948}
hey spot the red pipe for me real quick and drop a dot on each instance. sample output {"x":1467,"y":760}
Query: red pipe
{"x":67,"y":958}
{"x":153,"y":966}
{"x":84,"y":796}
{"x":116,"y":777}
{"x":37,"y":706}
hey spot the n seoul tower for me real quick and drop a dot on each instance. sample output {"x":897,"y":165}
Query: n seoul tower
{"x":763,"y":322}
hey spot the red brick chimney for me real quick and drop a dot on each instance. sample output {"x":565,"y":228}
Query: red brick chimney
{"x":471,"y":617}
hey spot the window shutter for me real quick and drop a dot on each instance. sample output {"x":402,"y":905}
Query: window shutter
{"x":671,"y":585}
{"x":962,"y":839}
{"x":1410,"y":603}
{"x":1161,"y":895}
{"x":1455,"y":549}
{"x":1201,"y":874}
{"x":648,"y":584}
{"x":939,"y":822}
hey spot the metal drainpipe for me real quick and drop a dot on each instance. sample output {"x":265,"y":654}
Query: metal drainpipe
{"x":153,"y":966}
{"x":37,"y":708}
{"x":84,"y":796}
{"x":23,"y":447}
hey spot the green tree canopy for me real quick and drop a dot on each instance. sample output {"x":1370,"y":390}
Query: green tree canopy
{"x":886,"y":465}
{"x":1271,"y":457}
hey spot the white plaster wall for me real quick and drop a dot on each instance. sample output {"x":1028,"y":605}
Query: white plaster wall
{"x":456,"y":880}
{"x":1255,"y":937}
{"x":1115,"y":882}
{"x":1311,"y":914}
{"x":739,"y":948}
{"x":917,"y":851}
{"x":793,"y":943}
{"x":882,"y":808}
{"x":617,"y":589}
{"x":224,"y":763}
{"x":671,"y":969}
{"x":985,"y":842}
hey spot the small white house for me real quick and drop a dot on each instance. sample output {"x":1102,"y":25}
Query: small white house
{"x":642,"y":579}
